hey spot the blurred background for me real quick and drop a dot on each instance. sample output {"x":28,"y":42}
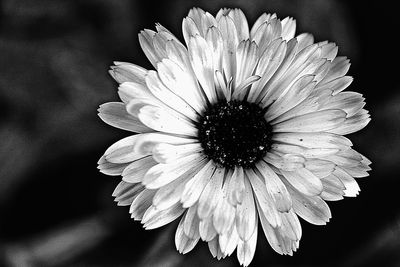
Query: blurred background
{"x":56,"y":209}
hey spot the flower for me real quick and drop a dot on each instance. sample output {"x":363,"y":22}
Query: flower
{"x":242,"y":126}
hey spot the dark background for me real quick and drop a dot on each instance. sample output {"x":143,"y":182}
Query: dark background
{"x":56,"y":209}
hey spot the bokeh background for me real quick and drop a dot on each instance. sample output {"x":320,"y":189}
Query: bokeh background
{"x":56,"y":209}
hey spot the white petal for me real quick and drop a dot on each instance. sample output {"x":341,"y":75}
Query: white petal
{"x":125,"y":193}
{"x":266,"y":33}
{"x":195,"y":186}
{"x":128,"y":72}
{"x":135,"y":171}
{"x":246,"y":249}
{"x":141,"y":203}
{"x":144,"y":143}
{"x":305,"y":152}
{"x":350,"y":102}
{"x":298,"y":92}
{"x":311,"y":208}
{"x":158,"y":89}
{"x":215,"y":42}
{"x":229,"y":36}
{"x":264,"y":201}
{"x":183,"y":243}
{"x":246,"y":216}
{"x":268,"y":63}
{"x":339,"y":67}
{"x":211,"y":194}
{"x":236,"y":187}
{"x":351,"y":186}
{"x":215,"y":249}
{"x":241,"y":24}
{"x":162,"y":174}
{"x":182,"y":82}
{"x":123,"y":150}
{"x":286,"y":162}
{"x":246,"y":60}
{"x":337,"y":85}
{"x":110,"y":168}
{"x":229,"y":241}
{"x":320,"y":168}
{"x":154,"y":218}
{"x":260,"y":20}
{"x":312,"y":122}
{"x":224,"y":213}
{"x":304,"y":181}
{"x":333,"y":188}
{"x":201,"y":57}
{"x":169,"y":194}
{"x":146,"y":42}
{"x":241,"y":91}
{"x":275,"y":187}
{"x":313,"y":140}
{"x":115,"y":114}
{"x":191,"y":223}
{"x":166,"y":153}
{"x":288,"y":28}
{"x":305,"y":40}
{"x":189,"y":29}
{"x":162,"y":120}
{"x":206,"y":229}
{"x":280,"y":243}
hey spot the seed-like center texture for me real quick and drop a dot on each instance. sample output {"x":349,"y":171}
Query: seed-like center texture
{"x":234,"y":133}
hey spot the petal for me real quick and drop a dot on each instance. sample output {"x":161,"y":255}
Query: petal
{"x":288,"y":28}
{"x":166,"y":153}
{"x":162,"y":174}
{"x":236,"y":187}
{"x":146,"y":42}
{"x":304,"y":181}
{"x":201,"y":57}
{"x":313,"y":140}
{"x":298,"y":92}
{"x":154,"y":218}
{"x":246,"y":60}
{"x":195,"y":186}
{"x":246,"y":249}
{"x":164,"y":121}
{"x":125,"y":193}
{"x":224,"y":213}
{"x":228,"y":242}
{"x":211,"y":194}
{"x":128,"y":72}
{"x":286,"y":162}
{"x":110,"y":168}
{"x":264,"y":201}
{"x":206,"y":229}
{"x":141,"y":203}
{"x":305,"y":152}
{"x":275,"y":187}
{"x":181,"y":82}
{"x":311,"y":208}
{"x":240,"y":22}
{"x":115,"y":114}
{"x":158,"y":89}
{"x":191,"y":223}
{"x":246,"y":216}
{"x":312,"y":122}
{"x":135,"y":171}
{"x":183,"y":243}
{"x":169,"y":194}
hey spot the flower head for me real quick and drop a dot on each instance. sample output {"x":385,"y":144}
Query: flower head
{"x":239,"y":126}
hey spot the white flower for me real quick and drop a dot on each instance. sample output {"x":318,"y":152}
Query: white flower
{"x":244,"y":125}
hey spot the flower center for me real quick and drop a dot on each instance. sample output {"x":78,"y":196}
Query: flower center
{"x":234,"y":133}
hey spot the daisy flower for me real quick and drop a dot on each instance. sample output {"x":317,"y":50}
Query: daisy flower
{"x":240,"y":127}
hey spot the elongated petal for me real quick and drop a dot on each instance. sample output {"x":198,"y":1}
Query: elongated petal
{"x":246,"y":216}
{"x":304,"y":181}
{"x":275,"y":187}
{"x":313,"y":122}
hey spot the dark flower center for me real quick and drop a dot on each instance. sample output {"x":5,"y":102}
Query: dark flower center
{"x":234,"y":133}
